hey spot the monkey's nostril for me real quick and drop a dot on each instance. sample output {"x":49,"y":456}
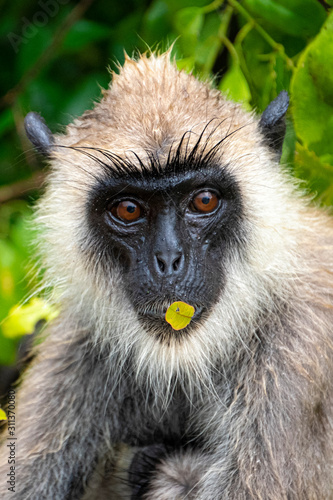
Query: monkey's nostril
{"x":176,"y":263}
{"x":161,"y":265}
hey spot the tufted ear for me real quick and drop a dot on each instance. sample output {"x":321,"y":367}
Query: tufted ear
{"x":38,"y":133}
{"x":272,"y":122}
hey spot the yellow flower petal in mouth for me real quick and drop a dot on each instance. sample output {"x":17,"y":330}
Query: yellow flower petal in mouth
{"x":179,"y":315}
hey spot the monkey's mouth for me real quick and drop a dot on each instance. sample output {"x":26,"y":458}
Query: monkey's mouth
{"x":154,"y":314}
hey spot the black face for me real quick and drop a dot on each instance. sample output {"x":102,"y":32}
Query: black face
{"x":170,"y":232}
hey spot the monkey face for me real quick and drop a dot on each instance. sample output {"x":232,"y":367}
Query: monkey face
{"x":165,"y":192}
{"x":169,"y":228}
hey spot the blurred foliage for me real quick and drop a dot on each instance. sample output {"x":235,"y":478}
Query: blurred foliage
{"x":54,"y":57}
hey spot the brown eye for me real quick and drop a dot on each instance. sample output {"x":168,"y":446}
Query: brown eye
{"x":205,"y":202}
{"x":127,"y":211}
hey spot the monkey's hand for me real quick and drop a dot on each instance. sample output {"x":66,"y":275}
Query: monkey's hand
{"x":142,"y":468}
{"x":157,"y":475}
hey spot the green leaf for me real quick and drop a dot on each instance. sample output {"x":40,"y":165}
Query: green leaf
{"x":175,"y":5}
{"x":258,"y":74}
{"x":188,"y":24}
{"x":312,"y":93}
{"x":187,"y":64}
{"x":289,"y":144}
{"x":301,"y":18}
{"x":208,"y":45}
{"x":319,"y":174}
{"x":189,"y":21}
{"x":179,"y":315}
{"x":280,"y":74}
{"x":7,"y":254}
{"x":157,"y":22}
{"x":234,"y":84}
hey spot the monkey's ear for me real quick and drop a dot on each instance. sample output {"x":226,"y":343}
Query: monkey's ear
{"x":38,"y":133}
{"x":273,"y":124}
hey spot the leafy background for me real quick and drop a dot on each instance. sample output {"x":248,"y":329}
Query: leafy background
{"x":54,"y":57}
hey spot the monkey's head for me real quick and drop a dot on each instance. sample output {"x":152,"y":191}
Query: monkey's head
{"x":165,"y":192}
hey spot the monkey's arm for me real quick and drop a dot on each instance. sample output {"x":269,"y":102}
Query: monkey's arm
{"x":249,"y":469}
{"x":154,"y":474}
{"x":270,"y":439}
{"x":58,"y":422}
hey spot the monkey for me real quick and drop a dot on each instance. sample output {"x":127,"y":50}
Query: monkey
{"x":167,"y":191}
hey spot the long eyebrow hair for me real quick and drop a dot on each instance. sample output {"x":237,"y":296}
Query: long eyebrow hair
{"x":180,"y":160}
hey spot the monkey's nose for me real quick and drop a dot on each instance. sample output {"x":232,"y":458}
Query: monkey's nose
{"x":168,"y":262}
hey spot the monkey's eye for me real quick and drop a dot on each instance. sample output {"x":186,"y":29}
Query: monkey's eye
{"x":126,"y":211}
{"x":205,"y":202}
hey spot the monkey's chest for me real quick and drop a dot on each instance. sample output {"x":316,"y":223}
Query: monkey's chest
{"x":144,"y":425}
